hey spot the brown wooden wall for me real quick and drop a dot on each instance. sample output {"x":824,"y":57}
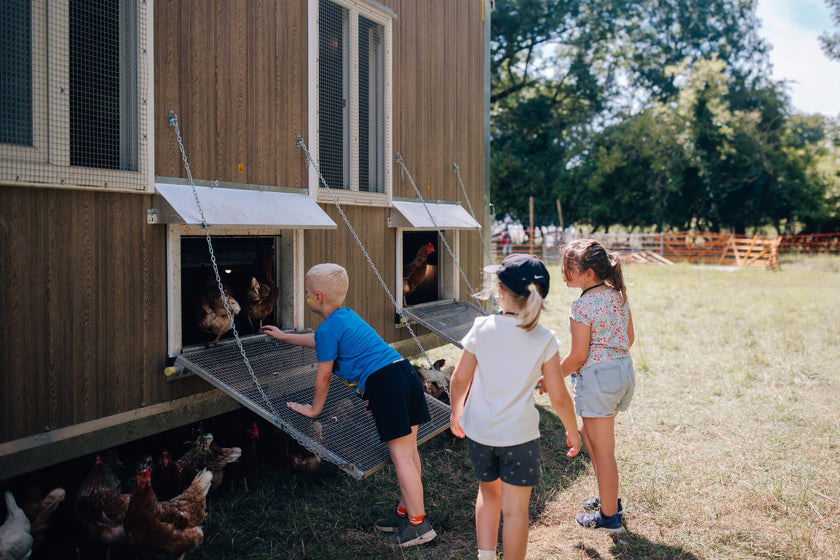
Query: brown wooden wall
{"x":84,"y":276}
{"x":84,"y":292}
{"x":236,"y":74}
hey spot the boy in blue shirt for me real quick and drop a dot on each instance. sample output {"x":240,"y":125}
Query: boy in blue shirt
{"x":347,"y":346}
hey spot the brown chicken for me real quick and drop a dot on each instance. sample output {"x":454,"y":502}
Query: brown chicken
{"x":39,"y":512}
{"x":170,"y":477}
{"x":221,"y":457}
{"x":15,"y":538}
{"x":205,"y":453}
{"x":263,"y":293}
{"x":415,"y":272}
{"x":100,"y":509}
{"x":212,"y":316}
{"x":169,"y":528}
{"x":262,"y":297}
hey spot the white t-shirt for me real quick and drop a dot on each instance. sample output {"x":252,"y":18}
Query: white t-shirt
{"x":500,"y":409}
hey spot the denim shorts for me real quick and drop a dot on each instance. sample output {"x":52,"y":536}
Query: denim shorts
{"x":604,"y":388}
{"x":518,"y":465}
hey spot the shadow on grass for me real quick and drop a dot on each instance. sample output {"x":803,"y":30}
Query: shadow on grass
{"x":631,"y":546}
{"x":559,"y":472}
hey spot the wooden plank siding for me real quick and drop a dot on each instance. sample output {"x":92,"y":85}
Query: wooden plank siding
{"x":85,"y":277}
{"x":85,"y":286}
{"x":236,"y":74}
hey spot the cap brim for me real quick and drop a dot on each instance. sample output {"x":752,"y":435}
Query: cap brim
{"x":493,"y":268}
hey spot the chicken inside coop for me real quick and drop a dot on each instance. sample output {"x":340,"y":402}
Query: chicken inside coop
{"x":248,"y":267}
{"x":420,"y":269}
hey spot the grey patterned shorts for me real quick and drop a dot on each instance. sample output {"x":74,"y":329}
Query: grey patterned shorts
{"x":518,"y":465}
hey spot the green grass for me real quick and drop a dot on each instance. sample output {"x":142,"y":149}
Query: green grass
{"x":730,"y":449}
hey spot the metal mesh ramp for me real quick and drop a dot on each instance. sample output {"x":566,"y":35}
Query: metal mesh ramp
{"x":449,"y":319}
{"x":344,"y":434}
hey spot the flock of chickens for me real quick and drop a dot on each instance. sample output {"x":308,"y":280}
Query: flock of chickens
{"x":157,"y":512}
{"x":260,"y":298}
{"x":262,"y":294}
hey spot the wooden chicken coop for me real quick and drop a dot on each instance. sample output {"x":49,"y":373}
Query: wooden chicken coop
{"x":283,"y":119}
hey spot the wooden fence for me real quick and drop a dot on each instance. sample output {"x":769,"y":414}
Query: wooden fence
{"x":689,"y":246}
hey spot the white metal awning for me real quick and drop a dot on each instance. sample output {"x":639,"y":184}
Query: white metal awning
{"x":416,"y":215}
{"x":233,"y":208}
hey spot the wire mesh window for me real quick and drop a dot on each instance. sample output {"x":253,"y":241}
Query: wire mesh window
{"x":16,"y":72}
{"x":72,"y":85}
{"x":352,"y":86}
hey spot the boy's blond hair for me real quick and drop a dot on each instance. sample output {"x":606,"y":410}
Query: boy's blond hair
{"x":331,"y":280}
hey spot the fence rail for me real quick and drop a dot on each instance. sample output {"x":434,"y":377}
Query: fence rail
{"x":690,"y":246}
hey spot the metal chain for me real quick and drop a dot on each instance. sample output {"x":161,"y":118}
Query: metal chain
{"x":467,"y":199}
{"x":173,"y":121}
{"x":440,"y":233}
{"x":301,"y":144}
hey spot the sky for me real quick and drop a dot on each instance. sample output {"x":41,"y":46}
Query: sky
{"x":792,"y":28}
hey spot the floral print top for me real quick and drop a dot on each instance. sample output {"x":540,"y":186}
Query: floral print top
{"x":607,"y":319}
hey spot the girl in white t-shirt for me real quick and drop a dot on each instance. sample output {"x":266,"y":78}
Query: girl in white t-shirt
{"x":599,"y":360}
{"x":502,"y":360}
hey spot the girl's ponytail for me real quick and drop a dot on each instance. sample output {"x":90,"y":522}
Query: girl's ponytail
{"x":529,"y":317}
{"x":616,"y":276}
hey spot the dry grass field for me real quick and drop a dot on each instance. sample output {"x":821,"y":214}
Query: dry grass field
{"x":730,"y":450}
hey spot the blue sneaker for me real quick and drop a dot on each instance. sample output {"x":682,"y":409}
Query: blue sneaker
{"x":600,"y":523}
{"x":593,"y":504}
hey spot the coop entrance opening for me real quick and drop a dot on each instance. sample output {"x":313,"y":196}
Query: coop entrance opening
{"x":421,"y":271}
{"x":344,"y":434}
{"x":248,"y":268}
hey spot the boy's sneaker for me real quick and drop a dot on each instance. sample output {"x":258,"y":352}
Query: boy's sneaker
{"x":593,"y":504}
{"x":411,"y":535}
{"x":600,"y":523}
{"x":390,"y":524}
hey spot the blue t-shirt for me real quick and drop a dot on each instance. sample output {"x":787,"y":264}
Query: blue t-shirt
{"x":354,"y":346}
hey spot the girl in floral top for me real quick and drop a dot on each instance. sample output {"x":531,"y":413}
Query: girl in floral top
{"x":602,"y":371}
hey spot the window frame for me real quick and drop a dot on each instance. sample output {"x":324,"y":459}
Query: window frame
{"x":47,"y":161}
{"x":382,"y":16}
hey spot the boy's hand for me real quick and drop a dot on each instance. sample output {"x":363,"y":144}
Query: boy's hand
{"x":305,"y":409}
{"x":540,"y":385}
{"x":273,"y":332}
{"x":573,"y":441}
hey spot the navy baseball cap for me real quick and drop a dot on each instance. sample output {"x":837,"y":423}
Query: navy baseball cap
{"x":520,"y":269}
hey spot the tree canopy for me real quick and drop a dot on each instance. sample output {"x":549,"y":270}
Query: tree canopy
{"x":830,"y":42}
{"x":650,"y":114}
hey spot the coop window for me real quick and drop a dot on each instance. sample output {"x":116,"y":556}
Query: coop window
{"x":421,"y":272}
{"x":421,"y":224}
{"x":72,"y":90}
{"x":241,"y":261}
{"x":353,"y":117}
{"x":244,"y":221}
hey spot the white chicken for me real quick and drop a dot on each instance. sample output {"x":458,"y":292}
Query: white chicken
{"x":15,"y":538}
{"x":436,"y":380}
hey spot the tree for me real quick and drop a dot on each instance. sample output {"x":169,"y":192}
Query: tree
{"x":831,"y":42}
{"x":561,"y":71}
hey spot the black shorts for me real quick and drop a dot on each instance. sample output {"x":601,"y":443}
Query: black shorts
{"x":518,"y":465}
{"x":396,"y":400}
